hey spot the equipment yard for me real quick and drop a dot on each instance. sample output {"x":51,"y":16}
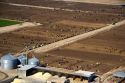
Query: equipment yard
{"x":64,"y":34}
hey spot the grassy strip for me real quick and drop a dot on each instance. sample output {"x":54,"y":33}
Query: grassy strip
{"x":4,"y":22}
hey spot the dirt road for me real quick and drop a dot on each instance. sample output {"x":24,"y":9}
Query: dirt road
{"x":16,"y":27}
{"x":53,"y":8}
{"x":2,"y":76}
{"x":110,"y":2}
{"x":76,"y":38}
{"x":104,"y":77}
{"x":42,"y":7}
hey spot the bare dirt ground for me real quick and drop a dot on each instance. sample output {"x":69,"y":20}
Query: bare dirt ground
{"x":7,"y":29}
{"x":51,"y":30}
{"x":99,"y":54}
{"x":84,"y":24}
{"x":51,"y":16}
{"x":110,"y":2}
{"x":109,"y":43}
{"x":71,"y":5}
{"x":2,"y":76}
{"x":36,"y":36}
{"x":109,"y":78}
{"x":73,"y":39}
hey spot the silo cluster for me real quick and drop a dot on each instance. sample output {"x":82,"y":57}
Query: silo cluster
{"x":23,"y":60}
{"x":9,"y":61}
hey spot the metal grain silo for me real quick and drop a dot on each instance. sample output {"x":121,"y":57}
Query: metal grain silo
{"x":22,"y":59}
{"x":33,"y":61}
{"x":8,"y":61}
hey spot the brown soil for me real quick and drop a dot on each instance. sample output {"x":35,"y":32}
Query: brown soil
{"x":82,"y":24}
{"x":111,"y":42}
{"x":71,"y":5}
{"x":50,"y":16}
{"x":51,"y":30}
{"x":110,"y":2}
{"x":2,"y":76}
{"x":36,"y":36}
{"x":99,"y":54}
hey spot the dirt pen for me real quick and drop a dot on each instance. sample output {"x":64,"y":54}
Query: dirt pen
{"x":99,"y":54}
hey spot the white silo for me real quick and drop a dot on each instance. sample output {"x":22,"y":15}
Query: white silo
{"x":33,"y":61}
{"x":8,"y":61}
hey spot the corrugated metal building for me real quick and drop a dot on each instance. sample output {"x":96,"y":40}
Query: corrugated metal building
{"x":119,"y":74}
{"x":86,"y":74}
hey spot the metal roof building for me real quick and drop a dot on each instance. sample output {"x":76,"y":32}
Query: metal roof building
{"x":8,"y":61}
{"x":84,"y":73}
{"x":24,"y":70}
{"x":120,"y":74}
{"x":87,"y":74}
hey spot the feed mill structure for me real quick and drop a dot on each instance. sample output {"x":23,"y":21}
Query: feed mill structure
{"x":27,"y":68}
{"x":23,"y":60}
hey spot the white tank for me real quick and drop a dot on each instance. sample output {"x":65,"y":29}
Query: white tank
{"x":9,"y":61}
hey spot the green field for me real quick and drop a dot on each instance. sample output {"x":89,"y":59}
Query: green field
{"x":4,"y":22}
